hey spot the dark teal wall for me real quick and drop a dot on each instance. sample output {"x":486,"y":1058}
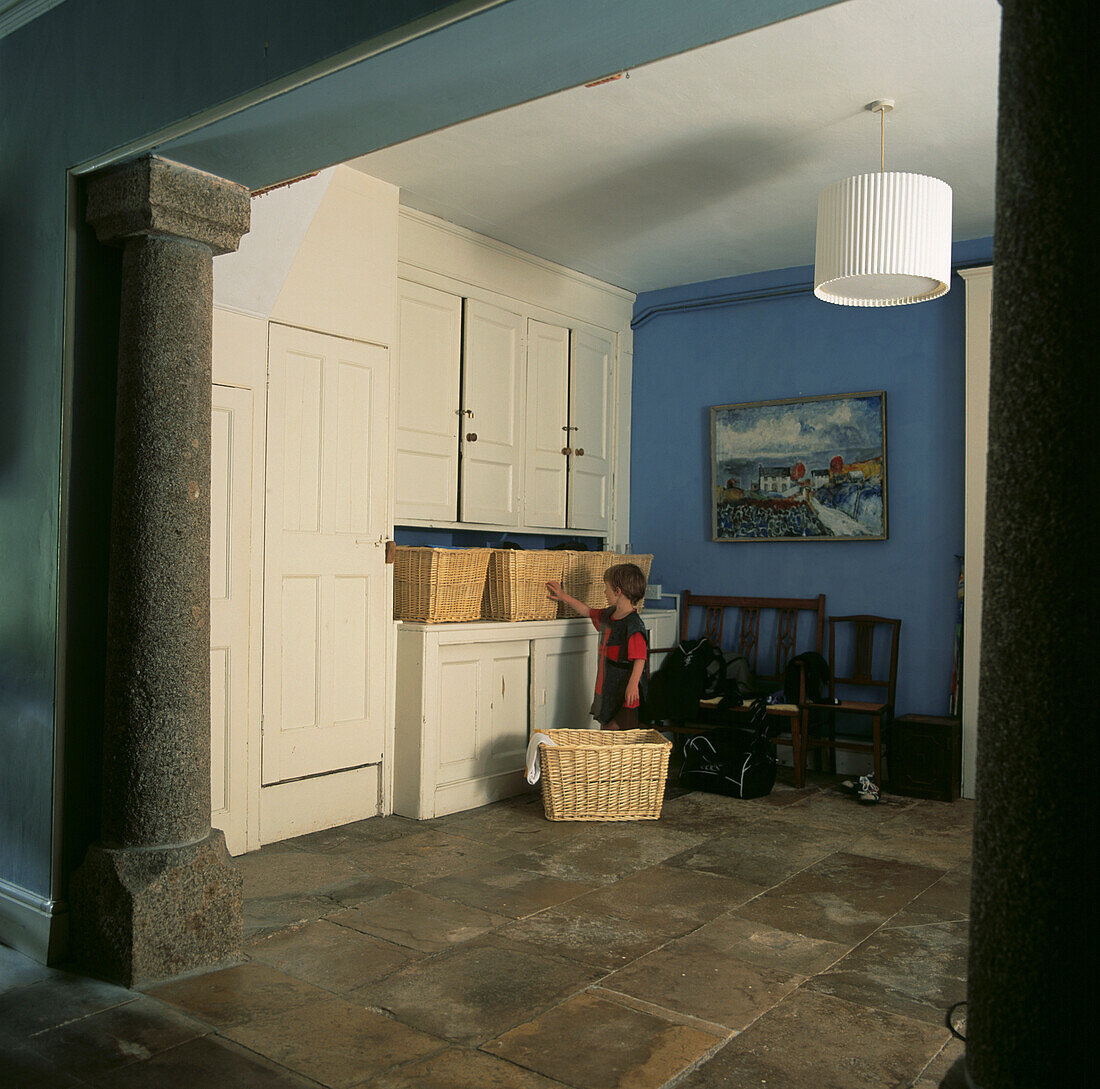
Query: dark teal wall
{"x":764,"y":337}
{"x":94,"y":76}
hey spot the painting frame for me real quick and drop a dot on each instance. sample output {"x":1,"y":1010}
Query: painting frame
{"x":832,"y":448}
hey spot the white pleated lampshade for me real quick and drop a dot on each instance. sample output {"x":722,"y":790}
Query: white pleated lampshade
{"x":883,"y":240}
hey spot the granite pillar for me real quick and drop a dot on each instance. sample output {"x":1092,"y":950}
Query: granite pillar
{"x":159,"y":894}
{"x":1032,"y":944}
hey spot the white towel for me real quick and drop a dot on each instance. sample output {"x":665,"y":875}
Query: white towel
{"x":534,"y":770}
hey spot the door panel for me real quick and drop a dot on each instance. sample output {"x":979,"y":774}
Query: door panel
{"x":563,"y":673}
{"x":590,"y":411}
{"x":324,"y":564}
{"x":460,"y":713}
{"x":230,"y":553}
{"x":429,"y":325}
{"x":506,"y":744}
{"x":483,"y":695}
{"x":547,"y":419}
{"x":493,"y":391}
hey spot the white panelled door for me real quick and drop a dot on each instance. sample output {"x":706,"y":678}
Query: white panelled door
{"x":493,"y":392}
{"x":547,"y":423}
{"x":230,"y":547}
{"x":324,"y":565}
{"x":590,"y":411}
{"x":429,"y":345}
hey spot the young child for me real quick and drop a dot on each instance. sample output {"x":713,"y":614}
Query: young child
{"x":623,"y":675}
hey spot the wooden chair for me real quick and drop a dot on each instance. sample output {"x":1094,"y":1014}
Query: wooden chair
{"x":735,"y":624}
{"x":870,"y":644}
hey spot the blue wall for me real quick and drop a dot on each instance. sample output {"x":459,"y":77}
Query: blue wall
{"x":765,"y":336}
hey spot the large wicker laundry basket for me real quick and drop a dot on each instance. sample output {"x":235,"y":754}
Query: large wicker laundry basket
{"x":436,"y":585}
{"x":604,"y":775}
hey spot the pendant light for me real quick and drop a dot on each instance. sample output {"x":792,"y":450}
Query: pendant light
{"x":883,"y":239}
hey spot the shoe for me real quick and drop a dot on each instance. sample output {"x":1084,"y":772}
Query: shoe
{"x":868,"y":792}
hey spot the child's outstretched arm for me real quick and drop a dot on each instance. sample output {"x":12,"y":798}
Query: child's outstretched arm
{"x":558,"y":594}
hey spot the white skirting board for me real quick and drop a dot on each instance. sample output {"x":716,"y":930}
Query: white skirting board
{"x":322,"y":801}
{"x":31,"y":924}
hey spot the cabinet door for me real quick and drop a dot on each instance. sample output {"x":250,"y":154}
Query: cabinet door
{"x":325,"y":622}
{"x":563,"y":673}
{"x":493,"y":394}
{"x":482,"y":716}
{"x":547,"y":468}
{"x":590,"y":408}
{"x":429,"y":340}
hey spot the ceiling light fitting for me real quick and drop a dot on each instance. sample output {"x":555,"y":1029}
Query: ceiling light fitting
{"x":883,"y":239}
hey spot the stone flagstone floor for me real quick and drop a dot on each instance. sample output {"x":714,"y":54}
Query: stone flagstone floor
{"x":792,"y":941}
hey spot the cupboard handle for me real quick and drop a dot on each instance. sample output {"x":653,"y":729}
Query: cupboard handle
{"x":471,"y":436}
{"x":568,"y":428}
{"x":465,"y":412}
{"x":580,"y":451}
{"x":565,"y":450}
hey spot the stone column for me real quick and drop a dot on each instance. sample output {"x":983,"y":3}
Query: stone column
{"x":159,"y":894}
{"x":1032,"y":943}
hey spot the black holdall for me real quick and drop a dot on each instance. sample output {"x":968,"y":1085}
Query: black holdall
{"x":733,"y":760}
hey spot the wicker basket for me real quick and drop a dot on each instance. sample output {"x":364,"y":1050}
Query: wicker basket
{"x":517,"y":583}
{"x":436,"y":585}
{"x":584,"y":572}
{"x":596,"y":775}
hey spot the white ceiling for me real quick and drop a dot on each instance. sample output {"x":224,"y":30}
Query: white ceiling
{"x":709,"y":163}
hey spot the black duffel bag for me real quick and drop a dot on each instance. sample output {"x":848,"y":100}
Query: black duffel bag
{"x":738,"y":761}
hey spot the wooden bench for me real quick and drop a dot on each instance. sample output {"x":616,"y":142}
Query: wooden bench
{"x":765,"y":631}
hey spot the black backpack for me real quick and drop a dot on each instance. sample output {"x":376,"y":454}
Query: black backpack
{"x":734,"y":760}
{"x":817,"y":678}
{"x":683,"y":680}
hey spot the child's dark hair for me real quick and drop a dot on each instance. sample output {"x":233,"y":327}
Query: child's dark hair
{"x":628,"y":579}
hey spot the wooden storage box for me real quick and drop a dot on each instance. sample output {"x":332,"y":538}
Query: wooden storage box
{"x":517,"y":581}
{"x":596,"y":775}
{"x":437,"y":585}
{"x":924,"y":755}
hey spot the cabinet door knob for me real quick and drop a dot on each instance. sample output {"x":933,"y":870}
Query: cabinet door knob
{"x":580,"y":451}
{"x":565,"y":450}
{"x":471,"y":436}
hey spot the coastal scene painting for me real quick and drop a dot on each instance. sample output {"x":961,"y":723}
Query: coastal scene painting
{"x":807,"y":469}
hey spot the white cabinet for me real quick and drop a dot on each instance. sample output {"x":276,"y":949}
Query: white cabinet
{"x":467,"y":695}
{"x":547,"y":468}
{"x":502,"y":419}
{"x":590,"y":412}
{"x":563,"y":672}
{"x":429,"y":347}
{"x":569,"y":432}
{"x":494,"y":384}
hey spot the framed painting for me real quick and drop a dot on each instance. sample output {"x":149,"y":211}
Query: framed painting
{"x":801,"y":469}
